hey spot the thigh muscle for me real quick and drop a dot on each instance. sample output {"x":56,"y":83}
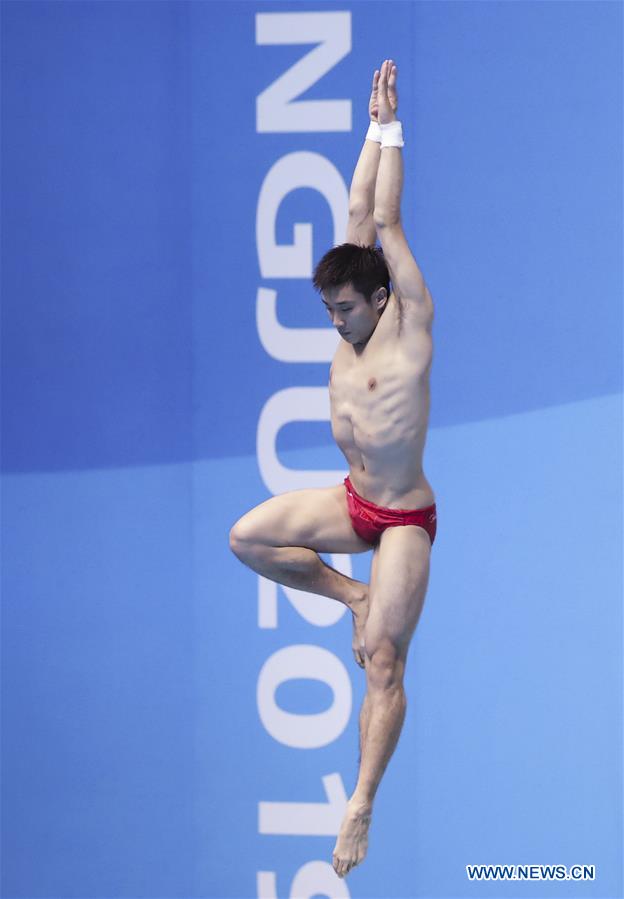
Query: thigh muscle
{"x":398,"y":586}
{"x":317,"y":518}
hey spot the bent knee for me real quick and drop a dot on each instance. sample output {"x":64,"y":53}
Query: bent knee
{"x":242,"y":538}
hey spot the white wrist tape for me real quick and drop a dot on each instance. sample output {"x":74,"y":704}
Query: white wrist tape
{"x":392,"y":134}
{"x":374,"y":132}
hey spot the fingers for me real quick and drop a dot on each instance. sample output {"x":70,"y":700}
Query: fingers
{"x":383,"y":77}
{"x":387,"y":75}
{"x":385,"y":97}
{"x":375,"y":79}
{"x":392,"y":77}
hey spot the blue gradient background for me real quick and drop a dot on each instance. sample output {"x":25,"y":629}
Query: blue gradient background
{"x":133,"y":756}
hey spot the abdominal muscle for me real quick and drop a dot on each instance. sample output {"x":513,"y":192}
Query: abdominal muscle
{"x":391,"y":486}
{"x":382,"y":435}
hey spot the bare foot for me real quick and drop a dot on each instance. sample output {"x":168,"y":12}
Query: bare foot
{"x":359,"y":610}
{"x":352,"y":842}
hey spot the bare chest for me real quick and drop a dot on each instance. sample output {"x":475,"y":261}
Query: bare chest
{"x":376,"y":398}
{"x":366,"y":383}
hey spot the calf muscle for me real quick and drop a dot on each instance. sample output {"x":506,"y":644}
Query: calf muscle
{"x":282,"y":537}
{"x":299,"y":567}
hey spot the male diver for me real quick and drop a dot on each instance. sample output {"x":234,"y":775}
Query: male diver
{"x":379,"y":392}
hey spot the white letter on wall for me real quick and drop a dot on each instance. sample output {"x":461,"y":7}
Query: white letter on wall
{"x":293,"y":171}
{"x":291,"y":344}
{"x":306,"y":818}
{"x":275,"y":109}
{"x":304,"y":731}
{"x":312,"y":879}
{"x":291,"y":404}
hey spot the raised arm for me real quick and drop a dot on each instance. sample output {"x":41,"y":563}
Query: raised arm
{"x":407,"y":279}
{"x":361,"y":226}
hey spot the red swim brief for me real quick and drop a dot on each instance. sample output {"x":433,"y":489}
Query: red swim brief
{"x":369,"y":521}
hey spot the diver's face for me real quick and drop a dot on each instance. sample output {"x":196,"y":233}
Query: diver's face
{"x":353,"y":316}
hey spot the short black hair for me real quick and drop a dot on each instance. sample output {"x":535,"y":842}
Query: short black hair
{"x":349,"y":263}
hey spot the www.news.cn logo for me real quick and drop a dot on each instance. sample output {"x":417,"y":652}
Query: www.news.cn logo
{"x":531,"y":872}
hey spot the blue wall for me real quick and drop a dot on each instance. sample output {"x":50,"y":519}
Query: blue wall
{"x":135,"y":754}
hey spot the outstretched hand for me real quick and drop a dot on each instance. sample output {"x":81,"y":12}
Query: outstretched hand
{"x":373,"y":107}
{"x":385,"y":92}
